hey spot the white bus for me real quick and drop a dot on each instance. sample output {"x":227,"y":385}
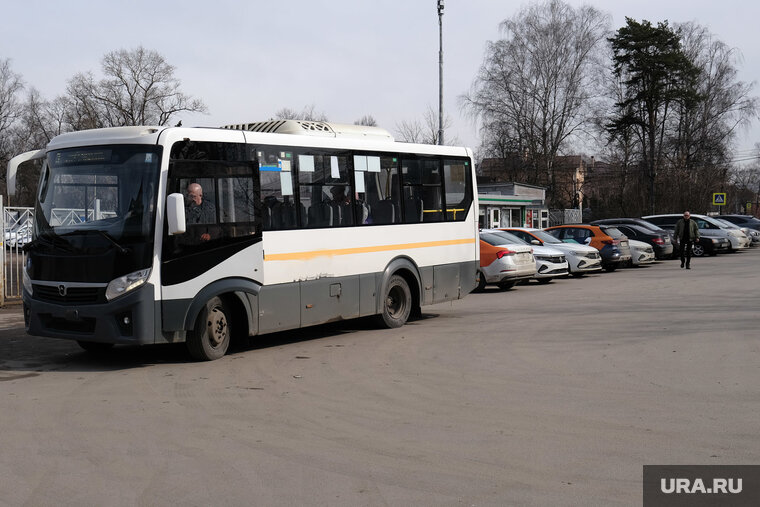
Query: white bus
{"x":201,"y":234}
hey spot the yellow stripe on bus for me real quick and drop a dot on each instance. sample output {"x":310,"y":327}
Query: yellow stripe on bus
{"x":299,"y":256}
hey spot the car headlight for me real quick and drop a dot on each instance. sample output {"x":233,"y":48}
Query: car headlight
{"x":126,"y":283}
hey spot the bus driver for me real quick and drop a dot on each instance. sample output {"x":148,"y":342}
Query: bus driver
{"x":198,"y":210}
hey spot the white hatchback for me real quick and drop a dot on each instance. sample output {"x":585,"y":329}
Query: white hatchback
{"x":580,"y":258}
{"x":550,"y":263}
{"x":508,"y":260}
{"x":641,"y":253}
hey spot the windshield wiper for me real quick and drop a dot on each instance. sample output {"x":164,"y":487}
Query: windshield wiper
{"x":119,"y":247}
{"x":115,"y":243}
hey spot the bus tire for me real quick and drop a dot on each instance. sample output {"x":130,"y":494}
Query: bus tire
{"x":210,"y":338}
{"x":397,"y":303}
{"x":481,"y":282}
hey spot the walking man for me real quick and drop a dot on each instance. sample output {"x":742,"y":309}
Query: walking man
{"x":687,"y":233}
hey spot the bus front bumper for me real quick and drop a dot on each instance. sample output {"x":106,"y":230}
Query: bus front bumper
{"x":129,"y":319}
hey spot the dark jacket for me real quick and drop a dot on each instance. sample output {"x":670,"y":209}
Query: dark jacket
{"x":681,"y":229}
{"x":200,"y":214}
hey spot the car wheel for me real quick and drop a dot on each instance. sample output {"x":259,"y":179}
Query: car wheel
{"x":210,"y":338}
{"x":481,"y":279}
{"x":95,"y":347}
{"x":543,"y":281}
{"x":578,"y":274}
{"x":610,"y":269}
{"x":506,"y":285}
{"x":397,"y":303}
{"x":698,"y":250}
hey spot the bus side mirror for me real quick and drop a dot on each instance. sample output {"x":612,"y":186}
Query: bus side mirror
{"x":175,"y":213}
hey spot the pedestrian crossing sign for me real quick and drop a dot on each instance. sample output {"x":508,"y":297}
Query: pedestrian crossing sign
{"x":719,"y":199}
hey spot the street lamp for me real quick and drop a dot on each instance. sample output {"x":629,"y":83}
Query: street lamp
{"x":440,"y":72}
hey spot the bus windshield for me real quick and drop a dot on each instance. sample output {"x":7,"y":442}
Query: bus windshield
{"x":106,"y":190}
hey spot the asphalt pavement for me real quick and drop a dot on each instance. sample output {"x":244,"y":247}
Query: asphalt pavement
{"x":540,"y":395}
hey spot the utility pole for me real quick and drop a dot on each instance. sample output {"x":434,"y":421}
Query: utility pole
{"x":440,"y":72}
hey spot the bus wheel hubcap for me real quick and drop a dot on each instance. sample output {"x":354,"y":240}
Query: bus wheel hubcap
{"x":395,"y":301}
{"x":217,"y":327}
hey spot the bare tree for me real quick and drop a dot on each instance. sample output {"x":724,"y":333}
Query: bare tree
{"x":139,"y":88}
{"x":10,"y":106}
{"x":10,"y":110}
{"x":425,"y":131}
{"x":367,"y":120}
{"x":539,"y":81}
{"x":701,"y":137}
{"x":308,"y":113}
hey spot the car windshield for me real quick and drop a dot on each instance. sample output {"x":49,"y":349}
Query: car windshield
{"x":613,"y":232}
{"x":106,"y":190}
{"x":546,"y":237}
{"x":501,"y":238}
{"x":750,"y":222}
{"x":726,"y":223}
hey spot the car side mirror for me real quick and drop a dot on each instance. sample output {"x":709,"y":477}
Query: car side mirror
{"x":587,"y":241}
{"x":535,"y":242}
{"x":175,"y":213}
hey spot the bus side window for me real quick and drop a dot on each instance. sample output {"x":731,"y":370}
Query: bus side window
{"x":422,"y":190}
{"x":458,"y":192}
{"x":236,"y":199}
{"x":278,"y":208}
{"x":376,"y":200}
{"x":325,"y":190}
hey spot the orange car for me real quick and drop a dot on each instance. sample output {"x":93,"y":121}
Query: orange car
{"x":611,"y":243}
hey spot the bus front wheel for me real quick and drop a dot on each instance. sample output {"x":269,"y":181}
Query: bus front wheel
{"x":397,"y":303}
{"x":210,"y":338}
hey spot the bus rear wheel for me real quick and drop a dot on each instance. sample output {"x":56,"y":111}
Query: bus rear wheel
{"x":210,"y":338}
{"x":397,"y":303}
{"x":481,"y":282}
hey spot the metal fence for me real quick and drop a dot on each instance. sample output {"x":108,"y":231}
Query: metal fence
{"x":16,"y":224}
{"x":565,"y":216}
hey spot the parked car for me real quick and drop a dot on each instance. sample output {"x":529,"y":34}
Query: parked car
{"x":550,"y":262}
{"x":641,"y":252}
{"x":750,"y":222}
{"x":581,"y":259}
{"x":708,"y":228}
{"x":742,"y":240}
{"x":504,"y":260}
{"x":594,"y":235}
{"x":635,"y":228}
{"x":713,"y":240}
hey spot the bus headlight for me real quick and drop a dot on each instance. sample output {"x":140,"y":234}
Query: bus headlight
{"x":126,"y":283}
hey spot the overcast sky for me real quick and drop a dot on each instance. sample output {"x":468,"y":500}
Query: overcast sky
{"x":348,"y":58}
